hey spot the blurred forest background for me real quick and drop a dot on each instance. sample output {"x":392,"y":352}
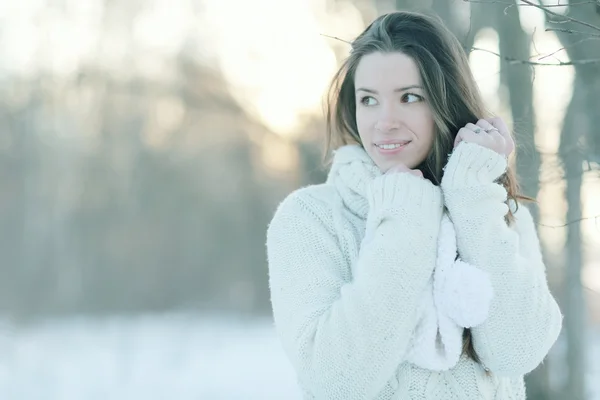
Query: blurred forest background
{"x":144,"y":146}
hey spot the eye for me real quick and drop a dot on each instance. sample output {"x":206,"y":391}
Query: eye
{"x":368,"y":101}
{"x":411,"y":98}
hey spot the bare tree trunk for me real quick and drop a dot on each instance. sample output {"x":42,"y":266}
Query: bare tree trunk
{"x":479,"y":19}
{"x":577,"y":134}
{"x":514,"y":43}
{"x":36,"y":272}
{"x":574,"y":306}
{"x":413,"y":4}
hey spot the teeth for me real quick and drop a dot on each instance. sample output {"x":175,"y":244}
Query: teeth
{"x":389,"y":146}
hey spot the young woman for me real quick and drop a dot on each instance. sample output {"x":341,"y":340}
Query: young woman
{"x":413,"y":272}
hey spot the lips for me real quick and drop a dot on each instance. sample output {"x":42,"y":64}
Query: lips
{"x":390,"y":145}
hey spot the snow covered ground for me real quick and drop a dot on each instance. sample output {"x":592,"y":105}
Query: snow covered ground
{"x":178,"y":356}
{"x":181,"y":357}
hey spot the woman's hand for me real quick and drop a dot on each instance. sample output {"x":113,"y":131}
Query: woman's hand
{"x":491,"y":133}
{"x":403,"y":168}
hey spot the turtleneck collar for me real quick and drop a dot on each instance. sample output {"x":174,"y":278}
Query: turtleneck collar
{"x":351,"y":172}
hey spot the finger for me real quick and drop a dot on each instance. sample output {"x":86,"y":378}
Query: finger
{"x":417,"y":172}
{"x":467,"y":135}
{"x":398,"y":168}
{"x":485,"y":125}
{"x":496,"y":140}
{"x":460,"y":135}
{"x":457,"y":140}
{"x":509,"y":143}
{"x":473,"y":127}
{"x":499,"y":124}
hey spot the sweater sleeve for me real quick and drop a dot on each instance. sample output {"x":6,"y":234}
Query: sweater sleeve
{"x":344,"y":333}
{"x":524,"y":320}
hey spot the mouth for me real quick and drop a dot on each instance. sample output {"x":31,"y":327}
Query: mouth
{"x":392,"y":147}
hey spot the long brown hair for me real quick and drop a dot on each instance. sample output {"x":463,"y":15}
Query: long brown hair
{"x":451,"y":91}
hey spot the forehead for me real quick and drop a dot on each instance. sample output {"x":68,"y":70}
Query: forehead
{"x":383,"y":70}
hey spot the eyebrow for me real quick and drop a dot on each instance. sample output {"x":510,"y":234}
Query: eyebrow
{"x":402,"y":89}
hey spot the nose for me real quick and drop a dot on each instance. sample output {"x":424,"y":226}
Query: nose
{"x":387,"y":125}
{"x":388,"y":120}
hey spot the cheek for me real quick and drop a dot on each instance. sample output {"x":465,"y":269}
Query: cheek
{"x":363,"y":124}
{"x":426,"y":126}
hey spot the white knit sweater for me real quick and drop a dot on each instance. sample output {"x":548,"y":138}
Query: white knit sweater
{"x":347,"y":308}
{"x":457,"y":296}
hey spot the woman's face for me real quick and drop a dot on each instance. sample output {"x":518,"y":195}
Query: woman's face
{"x":394,"y":120}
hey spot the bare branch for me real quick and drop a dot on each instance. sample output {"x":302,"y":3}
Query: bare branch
{"x":529,"y":5}
{"x":566,"y":17}
{"x":590,"y":289}
{"x":336,"y":38}
{"x":538,"y":52}
{"x":512,"y":60}
{"x":533,"y":42}
{"x":565,"y":47}
{"x":545,"y":8}
{"x":595,"y":218}
{"x":570,"y":4}
{"x":573,"y":31}
{"x":488,"y":2}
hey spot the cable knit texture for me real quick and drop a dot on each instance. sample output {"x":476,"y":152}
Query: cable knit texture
{"x":356,"y":263}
